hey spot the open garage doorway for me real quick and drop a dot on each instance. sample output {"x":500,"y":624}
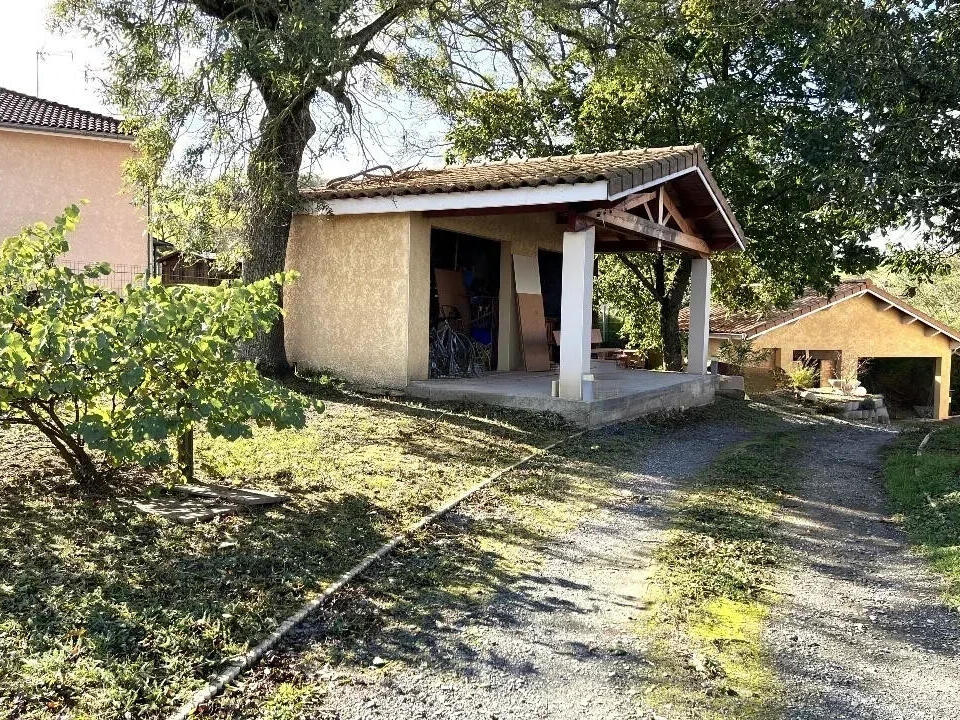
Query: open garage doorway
{"x":905,"y":383}
{"x":464,"y":304}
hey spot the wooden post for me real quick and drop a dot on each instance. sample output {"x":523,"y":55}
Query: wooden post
{"x":185,"y":454}
{"x":827,"y":369}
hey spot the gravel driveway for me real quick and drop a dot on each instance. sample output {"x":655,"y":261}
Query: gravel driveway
{"x":861,"y":634}
{"x":557,"y":644}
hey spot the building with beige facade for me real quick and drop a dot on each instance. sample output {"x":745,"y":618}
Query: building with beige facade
{"x":502,"y":253}
{"x":52,"y":156}
{"x":858,"y":330}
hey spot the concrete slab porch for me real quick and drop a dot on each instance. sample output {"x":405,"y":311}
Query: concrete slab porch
{"x":619,"y":393}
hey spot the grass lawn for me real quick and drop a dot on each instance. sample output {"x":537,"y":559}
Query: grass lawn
{"x":711,"y":592}
{"x":109,"y":613}
{"x":925,"y":490}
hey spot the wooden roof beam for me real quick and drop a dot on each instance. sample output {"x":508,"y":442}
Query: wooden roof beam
{"x":627,"y":223}
{"x":908,"y":319}
{"x":671,"y":205}
{"x":636,"y":200}
{"x":930,"y":331}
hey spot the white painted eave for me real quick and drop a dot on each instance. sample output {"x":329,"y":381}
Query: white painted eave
{"x":58,"y":132}
{"x":509,"y":197}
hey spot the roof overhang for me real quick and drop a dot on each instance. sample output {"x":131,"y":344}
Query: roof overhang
{"x":469,"y":200}
{"x":693,"y":182}
{"x":77,"y":134}
{"x":912,"y":314}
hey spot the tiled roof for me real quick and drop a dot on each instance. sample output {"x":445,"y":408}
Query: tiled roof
{"x":749,"y":325}
{"x":622,"y":169}
{"x":21,"y":110}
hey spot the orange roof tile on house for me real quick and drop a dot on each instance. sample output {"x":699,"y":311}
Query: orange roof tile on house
{"x":749,"y":325}
{"x":21,"y":111}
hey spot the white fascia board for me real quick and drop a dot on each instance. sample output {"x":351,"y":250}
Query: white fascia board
{"x":103,"y":137}
{"x":510,"y":197}
{"x":680,"y":173}
{"x":866,"y":291}
{"x":727,"y":336}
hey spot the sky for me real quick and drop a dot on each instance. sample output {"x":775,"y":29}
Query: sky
{"x":65,"y":68}
{"x":37,"y":60}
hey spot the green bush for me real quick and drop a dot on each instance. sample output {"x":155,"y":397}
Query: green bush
{"x":802,"y":376}
{"x":115,"y":378}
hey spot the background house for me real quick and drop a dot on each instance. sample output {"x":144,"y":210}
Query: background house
{"x":896,"y":349}
{"x":52,"y":156}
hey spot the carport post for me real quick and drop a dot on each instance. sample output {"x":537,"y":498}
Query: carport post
{"x":698,"y":346}
{"x":576,"y":311}
{"x":941,"y":388}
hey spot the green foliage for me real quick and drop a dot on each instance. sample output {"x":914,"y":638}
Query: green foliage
{"x":202,"y":216}
{"x":741,"y":353}
{"x":925,"y":490}
{"x":94,"y":371}
{"x":802,"y":375}
{"x":938,"y":295}
{"x":617,"y":286}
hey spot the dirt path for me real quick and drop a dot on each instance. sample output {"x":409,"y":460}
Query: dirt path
{"x":861,"y":634}
{"x":557,"y":644}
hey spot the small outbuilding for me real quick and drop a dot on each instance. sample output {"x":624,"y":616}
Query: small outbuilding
{"x":860,"y":329}
{"x":402,"y":273}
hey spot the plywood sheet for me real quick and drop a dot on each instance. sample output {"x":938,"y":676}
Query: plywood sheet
{"x":451,"y":292}
{"x":526,"y":273}
{"x":533,"y":332}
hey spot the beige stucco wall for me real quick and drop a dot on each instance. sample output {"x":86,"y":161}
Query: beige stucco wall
{"x":350,"y":312}
{"x":42,"y":173}
{"x":361,"y":308}
{"x":859,"y":328}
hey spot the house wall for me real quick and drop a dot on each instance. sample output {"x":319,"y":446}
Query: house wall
{"x":41,"y":173}
{"x":859,"y":328}
{"x":361,"y":307}
{"x":355,"y":308}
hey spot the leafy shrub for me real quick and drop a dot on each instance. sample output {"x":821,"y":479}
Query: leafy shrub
{"x":740,"y":353}
{"x":802,"y":375}
{"x":94,"y":371}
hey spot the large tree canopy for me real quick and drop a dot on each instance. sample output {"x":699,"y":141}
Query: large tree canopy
{"x":238,"y":83}
{"x":810,"y":113}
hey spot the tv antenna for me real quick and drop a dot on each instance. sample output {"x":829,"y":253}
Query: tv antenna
{"x":43,"y":55}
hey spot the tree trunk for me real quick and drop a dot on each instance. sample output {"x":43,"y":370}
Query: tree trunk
{"x":670,"y":305}
{"x":273,"y":173}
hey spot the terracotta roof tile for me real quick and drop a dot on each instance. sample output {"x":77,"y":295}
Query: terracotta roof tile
{"x":19,"y":109}
{"x":621,"y":167}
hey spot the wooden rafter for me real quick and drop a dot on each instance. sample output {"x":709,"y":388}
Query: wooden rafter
{"x":636,"y":200}
{"x":907,"y":319}
{"x":618,"y":220}
{"x":671,"y":205}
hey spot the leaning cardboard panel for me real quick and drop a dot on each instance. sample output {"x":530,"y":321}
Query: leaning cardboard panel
{"x":533,"y":328}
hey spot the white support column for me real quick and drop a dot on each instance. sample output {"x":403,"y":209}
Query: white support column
{"x":697,"y":348}
{"x":576,"y":311}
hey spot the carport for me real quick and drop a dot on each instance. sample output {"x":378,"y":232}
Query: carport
{"x":842,"y":333}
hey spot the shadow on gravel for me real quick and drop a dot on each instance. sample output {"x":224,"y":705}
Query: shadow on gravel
{"x":420,"y":604}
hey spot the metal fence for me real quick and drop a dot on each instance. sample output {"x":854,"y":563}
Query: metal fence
{"x":120,"y":275}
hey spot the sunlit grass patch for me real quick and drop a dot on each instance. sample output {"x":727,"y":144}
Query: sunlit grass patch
{"x":925,"y":490}
{"x":106,"y":611}
{"x":711,"y":591}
